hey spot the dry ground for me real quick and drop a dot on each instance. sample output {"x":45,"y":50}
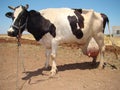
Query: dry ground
{"x":75,"y":70}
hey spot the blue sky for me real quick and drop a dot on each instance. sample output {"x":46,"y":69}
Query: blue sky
{"x":110,"y":7}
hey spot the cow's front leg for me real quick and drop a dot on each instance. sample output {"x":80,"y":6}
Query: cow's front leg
{"x":53,"y":57}
{"x":48,"y":53}
{"x":54,"y":67}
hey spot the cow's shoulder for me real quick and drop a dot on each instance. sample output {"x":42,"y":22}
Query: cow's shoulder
{"x":39,"y":26}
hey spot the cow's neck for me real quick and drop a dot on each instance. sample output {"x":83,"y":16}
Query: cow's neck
{"x":38,"y":26}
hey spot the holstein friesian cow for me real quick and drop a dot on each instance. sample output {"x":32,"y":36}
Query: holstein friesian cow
{"x":55,"y":26}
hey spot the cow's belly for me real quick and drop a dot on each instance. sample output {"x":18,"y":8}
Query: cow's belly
{"x":71,"y":39}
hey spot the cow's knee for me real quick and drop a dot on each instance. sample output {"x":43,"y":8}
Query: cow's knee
{"x":53,"y":56}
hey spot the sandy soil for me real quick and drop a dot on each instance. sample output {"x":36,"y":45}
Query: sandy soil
{"x":75,"y":71}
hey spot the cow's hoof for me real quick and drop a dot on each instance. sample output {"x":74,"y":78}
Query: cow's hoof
{"x":100,"y":67}
{"x":53,"y":72}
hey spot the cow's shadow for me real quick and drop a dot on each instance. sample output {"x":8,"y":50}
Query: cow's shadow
{"x":81,"y":66}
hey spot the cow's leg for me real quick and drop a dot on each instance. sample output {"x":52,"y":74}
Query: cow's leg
{"x":53,"y":57}
{"x":102,"y":50}
{"x":100,"y":41}
{"x":47,"y":54}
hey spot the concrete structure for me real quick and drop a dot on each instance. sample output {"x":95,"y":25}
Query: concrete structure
{"x":116,"y":30}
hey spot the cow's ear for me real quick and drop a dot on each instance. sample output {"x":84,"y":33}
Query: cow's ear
{"x":9,"y":14}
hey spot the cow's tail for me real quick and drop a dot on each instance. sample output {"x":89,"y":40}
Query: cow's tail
{"x":112,"y":41}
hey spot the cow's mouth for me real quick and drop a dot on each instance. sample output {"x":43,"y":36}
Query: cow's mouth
{"x":13,"y":32}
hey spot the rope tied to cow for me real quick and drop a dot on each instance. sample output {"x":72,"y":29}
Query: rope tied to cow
{"x":18,"y":59}
{"x":19,"y":51}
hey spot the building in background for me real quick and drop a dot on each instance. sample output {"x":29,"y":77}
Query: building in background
{"x":116,"y":30}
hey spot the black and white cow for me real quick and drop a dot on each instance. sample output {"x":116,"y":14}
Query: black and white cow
{"x":54,"y":26}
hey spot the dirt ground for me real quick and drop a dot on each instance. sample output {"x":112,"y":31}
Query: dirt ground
{"x":75,"y":71}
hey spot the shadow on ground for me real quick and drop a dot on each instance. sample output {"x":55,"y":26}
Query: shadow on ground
{"x":82,"y":66}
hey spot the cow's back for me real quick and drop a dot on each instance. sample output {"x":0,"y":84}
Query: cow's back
{"x":59,"y":17}
{"x":92,"y":21}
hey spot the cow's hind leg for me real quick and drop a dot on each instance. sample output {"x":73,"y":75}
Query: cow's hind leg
{"x":100,"y":41}
{"x":102,"y":50}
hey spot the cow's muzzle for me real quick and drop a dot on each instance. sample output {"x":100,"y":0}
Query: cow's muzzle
{"x":12,"y":34}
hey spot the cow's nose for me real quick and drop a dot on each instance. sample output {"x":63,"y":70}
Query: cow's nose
{"x":10,"y":33}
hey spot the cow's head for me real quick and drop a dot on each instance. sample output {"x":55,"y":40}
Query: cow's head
{"x":19,"y":16}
